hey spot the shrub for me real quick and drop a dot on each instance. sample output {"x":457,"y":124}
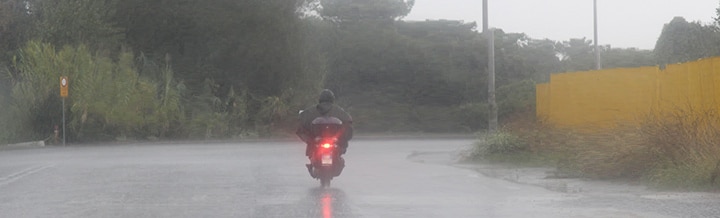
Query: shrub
{"x":501,"y":142}
{"x":108,"y":98}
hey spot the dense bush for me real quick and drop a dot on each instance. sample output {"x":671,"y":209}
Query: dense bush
{"x":108,"y":98}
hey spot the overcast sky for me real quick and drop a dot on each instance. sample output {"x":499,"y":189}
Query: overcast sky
{"x":621,"y":23}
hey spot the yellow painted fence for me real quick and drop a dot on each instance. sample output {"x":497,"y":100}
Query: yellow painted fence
{"x":605,"y":98}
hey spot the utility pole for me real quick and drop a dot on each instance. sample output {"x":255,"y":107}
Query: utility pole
{"x":598,"y":65}
{"x":493,"y":115}
{"x":490,"y":33}
{"x":485,"y":16}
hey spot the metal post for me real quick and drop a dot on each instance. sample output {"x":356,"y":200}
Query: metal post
{"x":598,"y":65}
{"x":63,"y":120}
{"x":485,"y":16}
{"x":493,"y":116}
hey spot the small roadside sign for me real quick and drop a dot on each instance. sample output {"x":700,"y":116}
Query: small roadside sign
{"x":63,"y":87}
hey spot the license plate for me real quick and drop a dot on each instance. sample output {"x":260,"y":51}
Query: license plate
{"x":326,"y":159}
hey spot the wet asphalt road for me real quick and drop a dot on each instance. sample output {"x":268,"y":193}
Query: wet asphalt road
{"x":391,"y":178}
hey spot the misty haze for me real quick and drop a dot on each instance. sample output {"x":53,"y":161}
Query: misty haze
{"x":359,"y":108}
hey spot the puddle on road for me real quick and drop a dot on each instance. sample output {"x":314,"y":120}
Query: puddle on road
{"x":435,"y":157}
{"x":618,"y":199}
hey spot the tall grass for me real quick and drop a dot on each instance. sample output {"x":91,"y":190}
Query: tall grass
{"x":677,"y":150}
{"x":108,"y":98}
{"x":686,"y":145}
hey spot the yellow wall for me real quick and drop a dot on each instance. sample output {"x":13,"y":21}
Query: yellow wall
{"x":604,"y":98}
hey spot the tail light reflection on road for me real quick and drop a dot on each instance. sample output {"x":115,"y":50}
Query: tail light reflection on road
{"x":327,"y":205}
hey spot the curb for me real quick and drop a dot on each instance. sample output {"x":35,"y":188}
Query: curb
{"x":28,"y":144}
{"x":25,"y":145}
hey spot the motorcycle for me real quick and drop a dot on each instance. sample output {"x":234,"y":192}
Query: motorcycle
{"x":326,"y":160}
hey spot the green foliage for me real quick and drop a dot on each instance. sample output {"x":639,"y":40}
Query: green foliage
{"x":72,"y":22}
{"x":108,"y":98}
{"x":579,"y":55}
{"x":717,"y":16}
{"x":272,"y":111}
{"x":32,"y":95}
{"x":414,"y":73}
{"x":516,"y":97}
{"x":15,"y":26}
{"x":682,"y":41}
{"x":209,"y":125}
{"x":627,"y":58}
{"x":4,"y":122}
{"x":696,"y":176}
{"x":226,"y":68}
{"x":473,"y":116}
{"x":497,"y":144}
{"x":356,"y":10}
{"x":540,"y":59}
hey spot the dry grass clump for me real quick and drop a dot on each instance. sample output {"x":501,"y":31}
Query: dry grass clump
{"x":686,"y":145}
{"x":599,"y":154}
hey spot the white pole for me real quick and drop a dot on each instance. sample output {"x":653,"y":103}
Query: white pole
{"x":485,"y":16}
{"x":598,"y":65}
{"x":493,"y":115}
{"x":493,"y":118}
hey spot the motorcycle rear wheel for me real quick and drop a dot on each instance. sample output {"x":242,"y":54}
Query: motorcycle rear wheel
{"x":324,"y":182}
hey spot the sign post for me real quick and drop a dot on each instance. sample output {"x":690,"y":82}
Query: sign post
{"x":63,"y":94}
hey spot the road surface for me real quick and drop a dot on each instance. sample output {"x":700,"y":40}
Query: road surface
{"x":383,"y":178}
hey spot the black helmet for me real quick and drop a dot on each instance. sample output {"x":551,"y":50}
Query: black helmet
{"x":327,"y":96}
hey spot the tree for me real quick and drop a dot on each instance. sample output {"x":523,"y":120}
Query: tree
{"x":261,"y":48}
{"x":74,"y":22}
{"x":577,"y":55}
{"x":15,"y":30}
{"x":717,"y":17}
{"x":682,"y":41}
{"x":355,"y":10}
{"x":540,"y":56}
{"x":627,"y":57}
{"x":225,"y":68}
{"x":14,"y":26}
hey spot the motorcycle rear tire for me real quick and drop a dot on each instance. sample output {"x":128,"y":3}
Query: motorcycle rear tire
{"x":324,"y":182}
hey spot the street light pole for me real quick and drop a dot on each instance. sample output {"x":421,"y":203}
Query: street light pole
{"x":493,"y":116}
{"x":490,"y":33}
{"x":485,"y":16}
{"x":598,"y":64}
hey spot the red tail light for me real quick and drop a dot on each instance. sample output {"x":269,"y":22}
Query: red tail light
{"x":326,"y":145}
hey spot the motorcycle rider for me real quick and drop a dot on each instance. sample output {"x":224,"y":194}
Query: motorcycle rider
{"x":325,"y":107}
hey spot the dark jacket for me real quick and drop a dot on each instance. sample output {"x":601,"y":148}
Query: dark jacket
{"x":324,"y":109}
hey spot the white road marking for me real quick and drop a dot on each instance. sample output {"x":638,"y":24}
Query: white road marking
{"x":23,"y":173}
